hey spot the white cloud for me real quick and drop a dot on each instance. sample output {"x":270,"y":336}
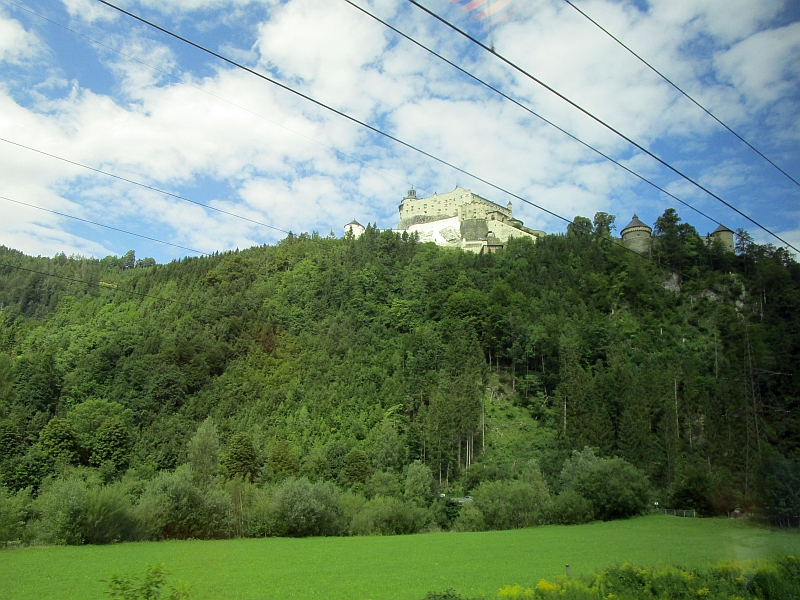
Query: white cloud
{"x":765,"y":66}
{"x":90,"y":11}
{"x":176,"y":137}
{"x":16,"y":44}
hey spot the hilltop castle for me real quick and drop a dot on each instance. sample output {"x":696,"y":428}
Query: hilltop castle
{"x":458,"y":219}
{"x":463,"y":219}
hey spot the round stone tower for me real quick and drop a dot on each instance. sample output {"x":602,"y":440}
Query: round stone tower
{"x":355,"y":228}
{"x":725,"y":235}
{"x":636,"y":235}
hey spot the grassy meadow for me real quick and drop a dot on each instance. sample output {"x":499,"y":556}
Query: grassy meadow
{"x":397,"y":567}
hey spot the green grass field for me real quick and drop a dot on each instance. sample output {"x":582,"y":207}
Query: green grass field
{"x":402,"y":567}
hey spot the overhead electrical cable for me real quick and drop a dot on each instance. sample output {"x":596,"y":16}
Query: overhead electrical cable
{"x":144,"y":185}
{"x":365,"y":125}
{"x":329,"y":108}
{"x":197,"y":87}
{"x":139,"y":235}
{"x":594,"y":118}
{"x":113,"y":287}
{"x":669,"y":81}
{"x":531,"y":111}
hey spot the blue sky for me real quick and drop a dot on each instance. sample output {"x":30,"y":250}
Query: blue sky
{"x":146,"y":107}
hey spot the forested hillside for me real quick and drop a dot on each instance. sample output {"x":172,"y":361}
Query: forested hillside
{"x":364,"y":367}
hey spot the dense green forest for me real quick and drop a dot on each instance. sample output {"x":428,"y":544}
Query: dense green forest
{"x":327,"y":385}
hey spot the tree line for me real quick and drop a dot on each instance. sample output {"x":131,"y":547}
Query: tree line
{"x":680,"y":365}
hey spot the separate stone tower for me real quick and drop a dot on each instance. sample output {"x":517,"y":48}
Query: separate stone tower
{"x":355,"y":228}
{"x":637,"y":236}
{"x":725,"y":235}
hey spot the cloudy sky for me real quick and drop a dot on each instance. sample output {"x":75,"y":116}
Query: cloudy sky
{"x":95,"y":87}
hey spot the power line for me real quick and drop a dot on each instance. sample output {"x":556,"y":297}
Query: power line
{"x":117,"y":289}
{"x":363,"y":124}
{"x":144,"y":185}
{"x":328,"y":107}
{"x":529,"y":110}
{"x":669,"y":81}
{"x":190,"y":84}
{"x":594,"y":118}
{"x":152,"y":239}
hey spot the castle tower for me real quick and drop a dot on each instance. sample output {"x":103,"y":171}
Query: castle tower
{"x":636,"y":235}
{"x":723,"y":234}
{"x":355,"y":228}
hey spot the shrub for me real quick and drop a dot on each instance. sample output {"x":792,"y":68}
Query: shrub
{"x":470,"y":519}
{"x":173,"y":507}
{"x":108,"y":515}
{"x":14,"y":512}
{"x":60,"y":509}
{"x":388,"y":516}
{"x":570,"y":508}
{"x":766,"y":580}
{"x":150,"y":587}
{"x":512,"y":504}
{"x":304,"y":509}
{"x":259,"y":513}
{"x":350,"y":504}
{"x":615,"y":487}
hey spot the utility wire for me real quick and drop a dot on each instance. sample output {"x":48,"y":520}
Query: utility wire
{"x":328,"y":107}
{"x":669,"y":81}
{"x":190,"y":84}
{"x":531,"y":111}
{"x":143,"y":185}
{"x":101,"y":225}
{"x":366,"y":125}
{"x":116,"y":289}
{"x":594,"y":118}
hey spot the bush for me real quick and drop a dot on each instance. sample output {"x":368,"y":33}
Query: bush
{"x":388,"y":516}
{"x":570,"y":508}
{"x":15,"y":510}
{"x":173,"y":507}
{"x":772,"y":580}
{"x":615,"y":487}
{"x":470,"y":519}
{"x":512,"y":504}
{"x":108,"y":515}
{"x":150,"y":587}
{"x":60,"y":510}
{"x":304,"y":509}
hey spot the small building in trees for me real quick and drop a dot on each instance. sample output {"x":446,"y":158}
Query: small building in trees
{"x":355,"y":228}
{"x":724,"y":235}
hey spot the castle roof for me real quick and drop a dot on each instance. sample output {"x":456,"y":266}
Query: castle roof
{"x":721,"y":229}
{"x":635,"y":222}
{"x":354,"y":222}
